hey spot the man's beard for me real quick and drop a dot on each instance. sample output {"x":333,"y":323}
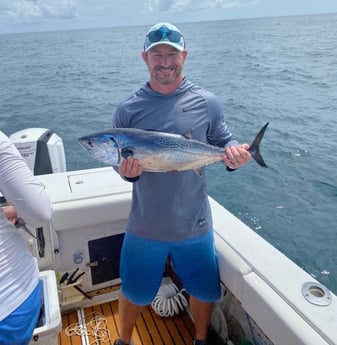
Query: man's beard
{"x":166,"y":80}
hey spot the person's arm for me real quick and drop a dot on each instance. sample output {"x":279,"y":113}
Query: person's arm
{"x":220,"y":135}
{"x":20,"y":187}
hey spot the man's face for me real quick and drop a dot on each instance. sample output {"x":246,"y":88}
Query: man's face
{"x":165,"y":64}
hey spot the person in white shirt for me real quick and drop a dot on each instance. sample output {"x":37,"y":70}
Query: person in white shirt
{"x":20,"y":291}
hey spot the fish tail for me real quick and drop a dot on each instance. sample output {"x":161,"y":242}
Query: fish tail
{"x":254,"y":148}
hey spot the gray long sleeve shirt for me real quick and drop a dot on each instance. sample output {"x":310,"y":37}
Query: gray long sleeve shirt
{"x":173,"y":206}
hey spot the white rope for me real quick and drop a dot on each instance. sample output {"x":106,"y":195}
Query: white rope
{"x":96,"y":327}
{"x":169,"y":300}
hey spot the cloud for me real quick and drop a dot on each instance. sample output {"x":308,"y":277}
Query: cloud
{"x":32,"y":10}
{"x":196,"y":5}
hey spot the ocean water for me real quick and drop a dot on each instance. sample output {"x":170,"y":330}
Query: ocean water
{"x":278,"y":70}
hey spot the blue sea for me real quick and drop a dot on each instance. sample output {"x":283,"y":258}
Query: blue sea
{"x":279,"y":70}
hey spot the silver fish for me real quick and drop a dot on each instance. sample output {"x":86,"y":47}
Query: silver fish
{"x":158,"y":151}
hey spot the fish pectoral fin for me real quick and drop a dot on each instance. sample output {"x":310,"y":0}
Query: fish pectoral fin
{"x":188,"y":134}
{"x":198,"y":171}
{"x":127,"y":152}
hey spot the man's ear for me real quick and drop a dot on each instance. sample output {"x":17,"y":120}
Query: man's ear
{"x":144,"y":56}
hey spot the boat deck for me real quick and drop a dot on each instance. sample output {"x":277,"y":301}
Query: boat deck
{"x":103,"y":320}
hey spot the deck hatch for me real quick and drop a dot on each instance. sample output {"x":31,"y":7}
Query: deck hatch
{"x":104,"y":256}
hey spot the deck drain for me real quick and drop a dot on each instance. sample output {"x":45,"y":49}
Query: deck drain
{"x":316,"y":293}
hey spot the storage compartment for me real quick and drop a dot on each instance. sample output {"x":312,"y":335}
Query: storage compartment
{"x":104,"y":256}
{"x":49,"y":323}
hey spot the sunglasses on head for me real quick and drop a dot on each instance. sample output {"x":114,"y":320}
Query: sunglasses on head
{"x":164,"y":33}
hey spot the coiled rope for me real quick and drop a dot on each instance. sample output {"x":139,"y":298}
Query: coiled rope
{"x":169,"y":300}
{"x":96,"y":327}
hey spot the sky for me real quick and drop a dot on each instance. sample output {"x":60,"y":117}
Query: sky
{"x":44,"y":15}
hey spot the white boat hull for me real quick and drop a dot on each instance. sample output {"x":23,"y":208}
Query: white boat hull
{"x":265,"y":285}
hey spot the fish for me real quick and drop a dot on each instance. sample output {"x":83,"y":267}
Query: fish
{"x":159,"y":151}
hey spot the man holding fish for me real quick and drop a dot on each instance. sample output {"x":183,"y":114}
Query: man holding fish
{"x":170,"y":216}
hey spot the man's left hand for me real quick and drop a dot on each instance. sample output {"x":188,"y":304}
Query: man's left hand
{"x":237,"y":156}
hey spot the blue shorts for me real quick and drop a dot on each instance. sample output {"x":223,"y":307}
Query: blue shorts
{"x":17,"y":328}
{"x":143,"y":264}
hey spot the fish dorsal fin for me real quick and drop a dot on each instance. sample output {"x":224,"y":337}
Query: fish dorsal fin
{"x":188,"y":134}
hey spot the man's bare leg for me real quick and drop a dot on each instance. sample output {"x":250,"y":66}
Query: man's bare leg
{"x":201,"y":312}
{"x":128,"y":314}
